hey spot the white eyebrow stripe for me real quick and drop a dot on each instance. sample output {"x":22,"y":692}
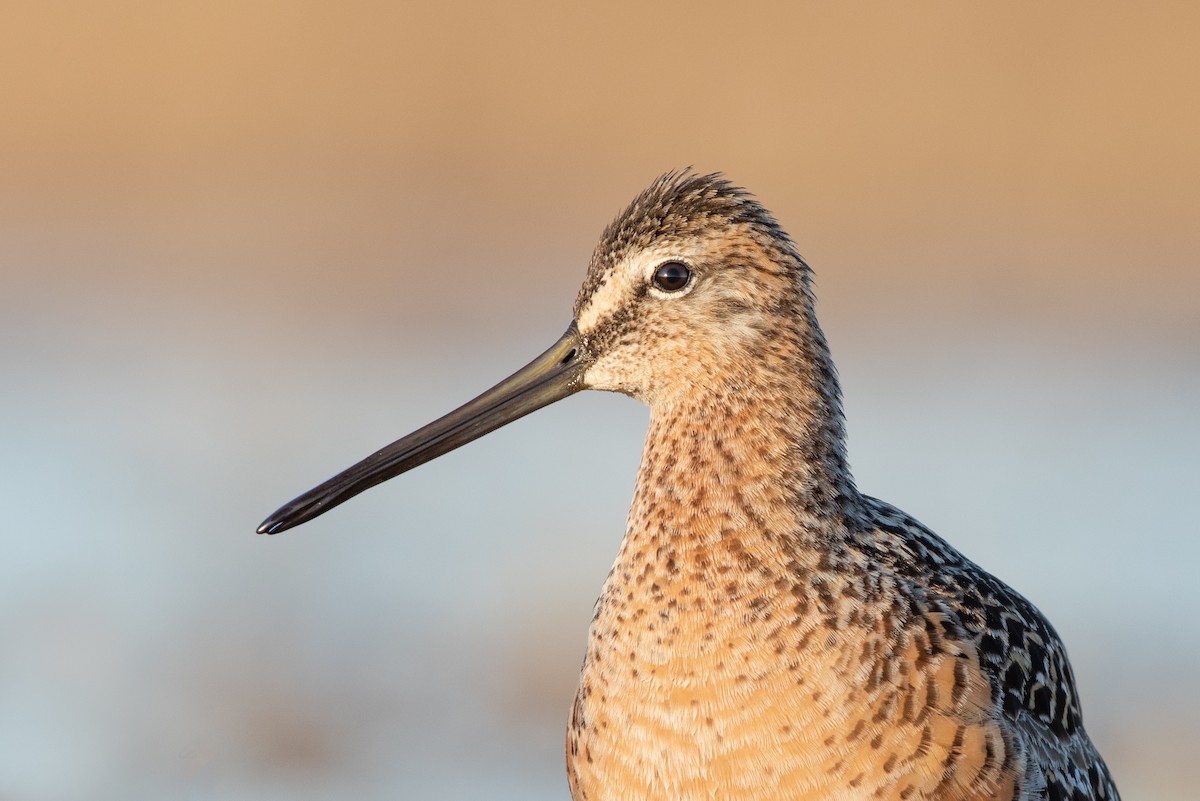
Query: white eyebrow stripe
{"x":623,"y":279}
{"x":608,"y":297}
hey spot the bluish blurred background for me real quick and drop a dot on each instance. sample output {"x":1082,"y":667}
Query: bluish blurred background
{"x":244,"y":244}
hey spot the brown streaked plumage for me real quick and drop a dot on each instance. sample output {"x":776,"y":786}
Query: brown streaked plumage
{"x":767,"y":631}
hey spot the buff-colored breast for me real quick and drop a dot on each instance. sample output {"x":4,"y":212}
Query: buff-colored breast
{"x":723,"y":666}
{"x":687,"y":695}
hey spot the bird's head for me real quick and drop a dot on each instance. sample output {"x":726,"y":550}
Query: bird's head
{"x":692,"y":289}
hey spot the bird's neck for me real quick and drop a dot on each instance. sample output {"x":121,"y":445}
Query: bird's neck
{"x":759,"y":464}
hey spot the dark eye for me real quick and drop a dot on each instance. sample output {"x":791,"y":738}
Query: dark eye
{"x":672,"y":276}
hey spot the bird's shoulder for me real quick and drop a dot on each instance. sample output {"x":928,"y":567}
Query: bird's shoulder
{"x":1020,"y":653}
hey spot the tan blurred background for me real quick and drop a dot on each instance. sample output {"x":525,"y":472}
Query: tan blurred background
{"x":244,"y":244}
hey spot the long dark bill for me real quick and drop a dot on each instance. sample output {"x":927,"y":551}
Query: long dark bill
{"x":552,"y":376}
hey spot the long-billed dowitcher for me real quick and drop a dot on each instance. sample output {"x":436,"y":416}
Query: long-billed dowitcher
{"x":767,"y":631}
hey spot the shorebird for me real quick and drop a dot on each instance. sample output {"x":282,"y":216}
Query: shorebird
{"x":767,"y":631}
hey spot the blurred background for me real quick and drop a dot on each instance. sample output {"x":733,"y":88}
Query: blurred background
{"x":242,"y":245}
